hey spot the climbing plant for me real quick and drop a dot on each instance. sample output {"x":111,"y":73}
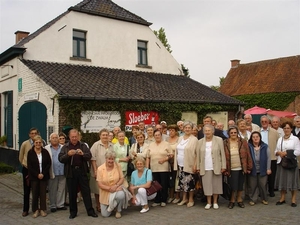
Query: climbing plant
{"x":274,"y":101}
{"x":168,"y":111}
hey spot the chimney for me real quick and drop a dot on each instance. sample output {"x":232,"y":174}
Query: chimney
{"x":235,"y":63}
{"x":20,"y":35}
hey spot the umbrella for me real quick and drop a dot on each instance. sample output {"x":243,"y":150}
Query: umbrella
{"x":255,"y":110}
{"x":281,"y":113}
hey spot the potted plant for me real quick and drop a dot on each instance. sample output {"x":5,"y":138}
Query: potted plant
{"x":3,"y":140}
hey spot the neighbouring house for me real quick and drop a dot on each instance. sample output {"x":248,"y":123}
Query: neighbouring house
{"x":91,"y":67}
{"x":272,"y":84}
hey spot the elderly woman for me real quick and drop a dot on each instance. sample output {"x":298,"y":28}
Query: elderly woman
{"x":238,"y":163}
{"x":243,"y":132}
{"x":158,"y":155}
{"x":185,"y":160}
{"x":122,"y":152}
{"x":39,"y":163}
{"x":98,"y":151}
{"x":110,"y":136}
{"x":287,"y":179}
{"x":195,"y":130}
{"x":173,"y":141}
{"x":212,"y":163}
{"x":110,"y":181}
{"x":139,"y":149}
{"x":141,"y":179}
{"x":261,"y":159}
{"x":150,"y":138}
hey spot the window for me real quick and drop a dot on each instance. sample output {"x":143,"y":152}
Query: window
{"x":79,"y":44}
{"x":142,"y":53}
{"x":8,"y":117}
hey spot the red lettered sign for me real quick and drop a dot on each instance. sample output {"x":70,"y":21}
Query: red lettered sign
{"x":134,"y":117}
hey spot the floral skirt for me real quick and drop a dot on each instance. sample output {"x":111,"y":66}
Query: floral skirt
{"x":186,"y":181}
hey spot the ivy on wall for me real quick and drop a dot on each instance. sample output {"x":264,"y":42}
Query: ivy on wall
{"x":274,"y":101}
{"x":168,"y":111}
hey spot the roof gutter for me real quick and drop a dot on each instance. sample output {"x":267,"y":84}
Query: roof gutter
{"x":11,"y":53}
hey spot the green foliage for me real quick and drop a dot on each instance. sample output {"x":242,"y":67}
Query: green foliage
{"x":274,"y":101}
{"x":4,"y":168}
{"x":161,"y":35}
{"x":221,"y":81}
{"x":3,"y":139}
{"x":185,"y":70}
{"x":168,"y":111}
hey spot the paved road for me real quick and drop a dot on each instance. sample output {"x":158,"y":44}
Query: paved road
{"x":11,"y":210}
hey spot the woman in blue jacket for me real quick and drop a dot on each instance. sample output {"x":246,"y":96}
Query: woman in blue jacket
{"x":260,"y":154}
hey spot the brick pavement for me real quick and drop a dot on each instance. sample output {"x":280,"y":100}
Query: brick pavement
{"x":11,"y":210}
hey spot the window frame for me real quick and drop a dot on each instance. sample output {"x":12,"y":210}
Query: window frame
{"x":79,"y":40}
{"x":8,"y":117}
{"x":141,"y":52}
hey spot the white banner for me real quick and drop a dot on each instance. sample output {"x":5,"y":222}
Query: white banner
{"x":94,"y":121}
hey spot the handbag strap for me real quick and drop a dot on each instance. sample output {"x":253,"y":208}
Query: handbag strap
{"x":281,"y":143}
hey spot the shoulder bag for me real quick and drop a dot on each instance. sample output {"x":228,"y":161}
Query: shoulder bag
{"x":155,"y":186}
{"x":289,"y":161}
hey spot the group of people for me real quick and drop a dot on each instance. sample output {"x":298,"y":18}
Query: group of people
{"x":248,"y":156}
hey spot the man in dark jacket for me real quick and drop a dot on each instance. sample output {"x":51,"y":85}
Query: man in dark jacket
{"x":208,"y":120}
{"x":75,"y":156}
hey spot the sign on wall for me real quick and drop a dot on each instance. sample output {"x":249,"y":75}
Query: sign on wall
{"x":134,"y":117}
{"x":94,"y":121}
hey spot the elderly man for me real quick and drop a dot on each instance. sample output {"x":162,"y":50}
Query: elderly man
{"x":180,"y":127}
{"x":75,"y":155}
{"x":142,"y":128}
{"x":25,"y":148}
{"x":296,"y":132}
{"x":248,"y":119}
{"x":116,"y":130}
{"x":270,"y":137}
{"x":208,"y":120}
{"x":57,"y":182}
{"x":159,"y":127}
{"x":231,"y":123}
{"x":275,"y":123}
{"x":220,"y":126}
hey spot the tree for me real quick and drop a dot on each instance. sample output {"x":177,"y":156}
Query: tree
{"x":161,"y":35}
{"x":185,"y":71}
{"x":221,"y":81}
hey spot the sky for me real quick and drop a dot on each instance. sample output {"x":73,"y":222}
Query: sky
{"x":204,"y":34}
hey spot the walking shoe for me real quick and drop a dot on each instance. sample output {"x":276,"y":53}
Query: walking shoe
{"x":163,"y":204}
{"x":183,"y":202}
{"x":53,"y":210}
{"x":264,"y":202}
{"x":190,"y":204}
{"x":144,"y":210}
{"x":208,"y":206}
{"x":118,"y":215}
{"x":36,"y":214}
{"x":170,"y":200}
{"x":252,"y":203}
{"x":176,"y":200}
{"x":43,"y":213}
{"x":215,"y":206}
{"x":155,"y":204}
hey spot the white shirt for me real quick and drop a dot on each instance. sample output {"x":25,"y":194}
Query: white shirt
{"x":208,"y":159}
{"x":291,"y":143}
{"x":180,"y":152}
{"x":40,"y":161}
{"x":265,"y":135}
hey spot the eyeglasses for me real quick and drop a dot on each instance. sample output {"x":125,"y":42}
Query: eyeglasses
{"x":37,"y":142}
{"x":61,"y":138}
{"x":33,"y":132}
{"x":264,"y":121}
{"x":233,"y":132}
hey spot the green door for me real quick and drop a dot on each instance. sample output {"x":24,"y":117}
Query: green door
{"x":32,"y":114}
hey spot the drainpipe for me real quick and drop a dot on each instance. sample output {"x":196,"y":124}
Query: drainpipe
{"x":236,"y":115}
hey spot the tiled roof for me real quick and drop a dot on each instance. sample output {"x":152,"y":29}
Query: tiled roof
{"x":105,"y":8}
{"x":108,"y":8}
{"x":269,"y":76}
{"x":89,"y":82}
